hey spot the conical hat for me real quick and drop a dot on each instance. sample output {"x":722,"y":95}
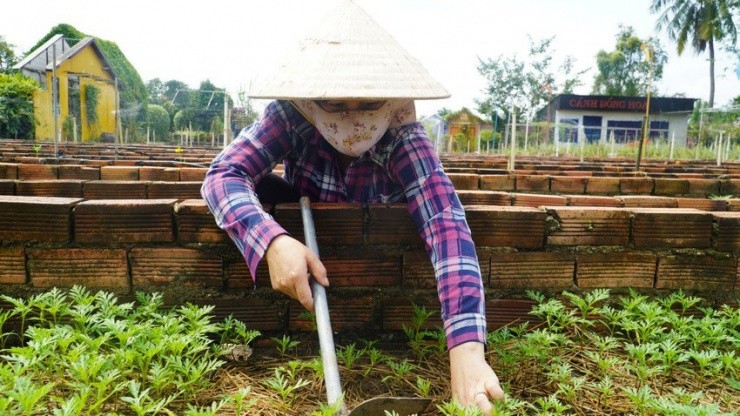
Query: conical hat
{"x":349,"y":56}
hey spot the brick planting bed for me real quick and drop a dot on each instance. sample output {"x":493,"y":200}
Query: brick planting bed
{"x":134,"y":221}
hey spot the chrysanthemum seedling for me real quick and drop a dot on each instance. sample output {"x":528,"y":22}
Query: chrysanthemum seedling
{"x":285,"y":344}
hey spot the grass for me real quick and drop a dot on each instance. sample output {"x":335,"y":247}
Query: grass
{"x":81,"y":353}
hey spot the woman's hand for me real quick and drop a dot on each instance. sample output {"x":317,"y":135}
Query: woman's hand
{"x":290,"y":262}
{"x":473,"y":380}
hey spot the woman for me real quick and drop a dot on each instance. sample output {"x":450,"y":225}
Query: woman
{"x":344,"y":127}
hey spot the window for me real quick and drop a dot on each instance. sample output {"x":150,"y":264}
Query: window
{"x":623,"y":130}
{"x":568,"y":130}
{"x":592,"y":128}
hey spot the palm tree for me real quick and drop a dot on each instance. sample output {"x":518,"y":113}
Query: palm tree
{"x":702,"y":22}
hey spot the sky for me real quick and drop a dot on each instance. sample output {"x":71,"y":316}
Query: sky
{"x":231,"y":42}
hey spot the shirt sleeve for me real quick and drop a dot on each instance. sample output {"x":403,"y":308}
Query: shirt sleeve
{"x":440,"y":218}
{"x":229,"y":185}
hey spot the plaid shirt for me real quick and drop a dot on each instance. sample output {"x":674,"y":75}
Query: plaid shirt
{"x":401,"y":167}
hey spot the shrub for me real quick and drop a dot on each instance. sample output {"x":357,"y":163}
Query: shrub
{"x":16,"y":106}
{"x":159,"y":120}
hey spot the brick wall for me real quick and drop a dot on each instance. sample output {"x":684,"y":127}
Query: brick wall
{"x":373,"y":255}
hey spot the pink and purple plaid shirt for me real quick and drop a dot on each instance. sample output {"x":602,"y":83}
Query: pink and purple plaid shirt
{"x":401,"y":167}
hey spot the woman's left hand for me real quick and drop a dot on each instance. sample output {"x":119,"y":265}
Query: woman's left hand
{"x":472,"y":378}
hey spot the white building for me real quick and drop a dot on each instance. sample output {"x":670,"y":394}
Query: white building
{"x":598,"y":117}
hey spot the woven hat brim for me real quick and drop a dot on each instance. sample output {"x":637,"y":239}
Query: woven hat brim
{"x":348,"y":56}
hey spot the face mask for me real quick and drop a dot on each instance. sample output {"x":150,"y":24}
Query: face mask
{"x":354,"y":132}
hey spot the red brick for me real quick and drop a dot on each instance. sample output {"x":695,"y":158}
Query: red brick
{"x":237,"y":274}
{"x":587,"y":226}
{"x":79,"y":172}
{"x":646,"y":201}
{"x":391,"y":224}
{"x":520,"y":227}
{"x":703,"y":187}
{"x":346,"y":311}
{"x":703,"y":204}
{"x":538,"y":200}
{"x":568,"y":184}
{"x":155,"y":173}
{"x":532,"y":270}
{"x":399,"y":312}
{"x":28,"y":218}
{"x":255,"y":312}
{"x":733,"y":204}
{"x":635,"y":186}
{"x":119,"y":173}
{"x":507,"y":312}
{"x":680,"y":228}
{"x":65,"y":188}
{"x":176,"y":190}
{"x":112,"y":189}
{"x":195,"y":223}
{"x":163,"y":266}
{"x":335,"y":223}
{"x":497,"y":182}
{"x":730,"y":187}
{"x":464,"y":181}
{"x":124,"y":221}
{"x":615,"y":270}
{"x":602,"y":186}
{"x":484,"y":198}
{"x":7,"y":186}
{"x":727,"y":236}
{"x":12,"y":266}
{"x":36,"y":172}
{"x":99,"y":268}
{"x":419,"y":273}
{"x":671,"y":187}
{"x":593,"y":201}
{"x":193,"y":174}
{"x":533,"y":183}
{"x":8,"y":170}
{"x":696,"y":273}
{"x":362,"y":269}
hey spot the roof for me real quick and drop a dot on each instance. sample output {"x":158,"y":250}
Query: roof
{"x":606,"y":103}
{"x":78,"y":47}
{"x":38,"y":51}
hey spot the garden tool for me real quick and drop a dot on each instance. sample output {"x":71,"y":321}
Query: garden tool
{"x":403,"y":406}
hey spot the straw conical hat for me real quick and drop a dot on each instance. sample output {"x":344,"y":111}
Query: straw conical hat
{"x":349,"y":56}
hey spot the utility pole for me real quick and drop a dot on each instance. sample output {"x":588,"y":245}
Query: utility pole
{"x":55,"y":98}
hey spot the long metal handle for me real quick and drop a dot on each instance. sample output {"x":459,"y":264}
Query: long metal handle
{"x":323,"y":323}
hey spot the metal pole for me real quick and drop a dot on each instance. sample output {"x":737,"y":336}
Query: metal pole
{"x":55,"y":98}
{"x":512,"y":151}
{"x":526,"y":134}
{"x":673,"y":144}
{"x":646,"y":123}
{"x":323,"y":322}
{"x":581,"y":139}
{"x":118,"y":120}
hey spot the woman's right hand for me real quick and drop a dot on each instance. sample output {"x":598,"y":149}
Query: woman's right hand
{"x":290,"y":263}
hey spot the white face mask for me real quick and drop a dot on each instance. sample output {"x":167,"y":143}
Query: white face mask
{"x":354,"y":132}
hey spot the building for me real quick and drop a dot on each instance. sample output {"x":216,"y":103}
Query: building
{"x":599,"y":117}
{"x":86,"y":84}
{"x":464,"y":128}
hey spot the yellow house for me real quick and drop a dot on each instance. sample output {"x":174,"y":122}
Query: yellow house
{"x":86,"y":103}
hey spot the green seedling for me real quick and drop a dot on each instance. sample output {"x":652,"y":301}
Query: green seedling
{"x":285,"y":344}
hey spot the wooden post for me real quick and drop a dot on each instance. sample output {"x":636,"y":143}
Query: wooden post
{"x":526,"y":135}
{"x":719,"y":148}
{"x":582,"y":139}
{"x":611,"y":151}
{"x":74,"y":129}
{"x":226,"y":121}
{"x":673,"y":144}
{"x":55,"y":98}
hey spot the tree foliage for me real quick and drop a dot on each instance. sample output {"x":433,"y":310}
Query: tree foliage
{"x":16,"y":106}
{"x":626,"y":70}
{"x":526,"y":84}
{"x":159,"y":120}
{"x":7,"y":55}
{"x":699,"y":23}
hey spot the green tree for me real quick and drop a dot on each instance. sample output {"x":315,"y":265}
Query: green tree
{"x":7,"y":55}
{"x":16,"y":106}
{"x":527,"y":85}
{"x":156,"y":90}
{"x":159,"y":120}
{"x":178,"y":93}
{"x":625,"y":70}
{"x":699,"y":23}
